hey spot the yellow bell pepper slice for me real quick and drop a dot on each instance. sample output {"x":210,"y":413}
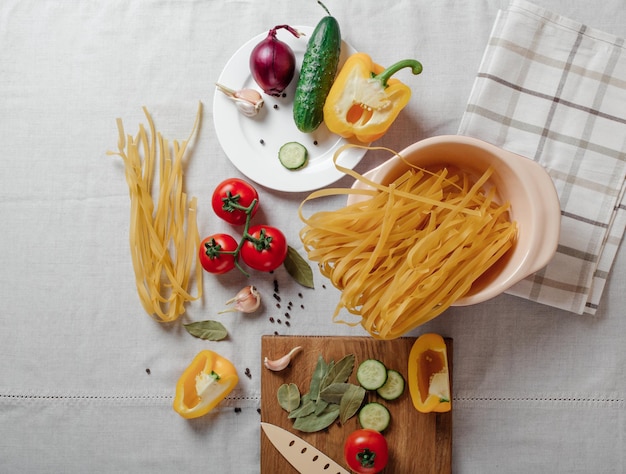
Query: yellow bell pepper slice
{"x":205,"y":383}
{"x":364,"y":100}
{"x":428,"y":374}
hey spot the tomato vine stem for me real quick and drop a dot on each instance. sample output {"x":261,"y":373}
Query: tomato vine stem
{"x":245,"y":234}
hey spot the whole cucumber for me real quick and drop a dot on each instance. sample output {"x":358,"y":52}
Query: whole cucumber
{"x":319,"y":67}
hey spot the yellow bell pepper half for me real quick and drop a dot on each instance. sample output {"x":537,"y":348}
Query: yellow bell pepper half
{"x":364,"y":100}
{"x":205,"y":383}
{"x":428,"y":374}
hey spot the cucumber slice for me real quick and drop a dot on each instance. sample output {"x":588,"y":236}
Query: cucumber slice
{"x":293,"y":155}
{"x":371,"y":374}
{"x":394,"y":386}
{"x":375,"y":416}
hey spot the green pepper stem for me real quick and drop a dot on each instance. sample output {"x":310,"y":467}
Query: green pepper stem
{"x":383,"y":77}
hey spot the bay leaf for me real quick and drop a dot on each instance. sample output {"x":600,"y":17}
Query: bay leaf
{"x":306,"y":408}
{"x":339,"y":372}
{"x":313,"y":422}
{"x":350,"y":402}
{"x":208,"y":330}
{"x":320,"y":406}
{"x":325,"y":379}
{"x":319,"y":373}
{"x":288,"y":396}
{"x":334,"y":392}
{"x":298,"y":268}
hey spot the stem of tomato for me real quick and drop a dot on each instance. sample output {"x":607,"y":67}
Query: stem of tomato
{"x":246,"y":226}
{"x":245,"y":236}
{"x":231,"y":203}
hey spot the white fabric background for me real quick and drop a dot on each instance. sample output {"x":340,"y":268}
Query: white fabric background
{"x":535,"y":388}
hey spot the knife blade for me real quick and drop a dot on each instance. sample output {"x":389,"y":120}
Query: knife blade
{"x":305,"y":457}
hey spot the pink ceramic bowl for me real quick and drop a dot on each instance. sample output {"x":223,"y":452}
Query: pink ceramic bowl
{"x":521,"y":181}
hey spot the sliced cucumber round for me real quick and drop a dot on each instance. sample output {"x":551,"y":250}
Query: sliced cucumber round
{"x":293,"y":155}
{"x":394,"y":386}
{"x":371,"y":374}
{"x":374,"y":416}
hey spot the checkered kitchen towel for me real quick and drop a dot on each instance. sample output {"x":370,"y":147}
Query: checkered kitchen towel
{"x":554,"y":90}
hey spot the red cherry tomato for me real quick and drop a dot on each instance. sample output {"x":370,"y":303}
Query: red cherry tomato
{"x":265,"y":248}
{"x":210,"y":253}
{"x":231,"y":197}
{"x":366,"y":451}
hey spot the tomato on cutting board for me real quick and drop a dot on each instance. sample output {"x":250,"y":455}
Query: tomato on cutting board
{"x":366,"y":451}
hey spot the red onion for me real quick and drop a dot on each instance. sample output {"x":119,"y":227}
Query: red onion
{"x":273,"y":63}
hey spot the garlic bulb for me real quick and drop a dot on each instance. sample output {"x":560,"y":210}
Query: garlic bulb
{"x":247,"y":300}
{"x":279,"y":364}
{"x":248,"y":101}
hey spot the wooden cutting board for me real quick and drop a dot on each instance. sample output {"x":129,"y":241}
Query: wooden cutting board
{"x":417,"y":442}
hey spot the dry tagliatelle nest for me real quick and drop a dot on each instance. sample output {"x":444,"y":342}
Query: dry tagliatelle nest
{"x":410,"y":249}
{"x":163,"y":236}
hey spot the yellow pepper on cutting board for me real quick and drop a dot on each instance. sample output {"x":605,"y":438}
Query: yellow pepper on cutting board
{"x":205,"y":383}
{"x":364,"y":100}
{"x":428,"y":376}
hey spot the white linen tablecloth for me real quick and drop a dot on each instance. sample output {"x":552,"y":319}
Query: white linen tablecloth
{"x":87,"y":377}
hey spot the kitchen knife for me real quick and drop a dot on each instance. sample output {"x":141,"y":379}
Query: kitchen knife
{"x":306,"y":458}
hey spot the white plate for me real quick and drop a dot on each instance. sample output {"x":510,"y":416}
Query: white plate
{"x":252,"y":144}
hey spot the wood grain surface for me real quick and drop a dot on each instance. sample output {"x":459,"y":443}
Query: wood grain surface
{"x":417,"y":442}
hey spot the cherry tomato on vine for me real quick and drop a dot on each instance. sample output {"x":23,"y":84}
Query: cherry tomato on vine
{"x":210,"y":253}
{"x":230,"y":199}
{"x":366,"y":451}
{"x":265,"y":248}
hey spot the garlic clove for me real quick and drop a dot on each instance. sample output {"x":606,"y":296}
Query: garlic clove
{"x":280,"y":364}
{"x":246,"y":108}
{"x":248,"y":101}
{"x":252,"y":96}
{"x":247,"y":300}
